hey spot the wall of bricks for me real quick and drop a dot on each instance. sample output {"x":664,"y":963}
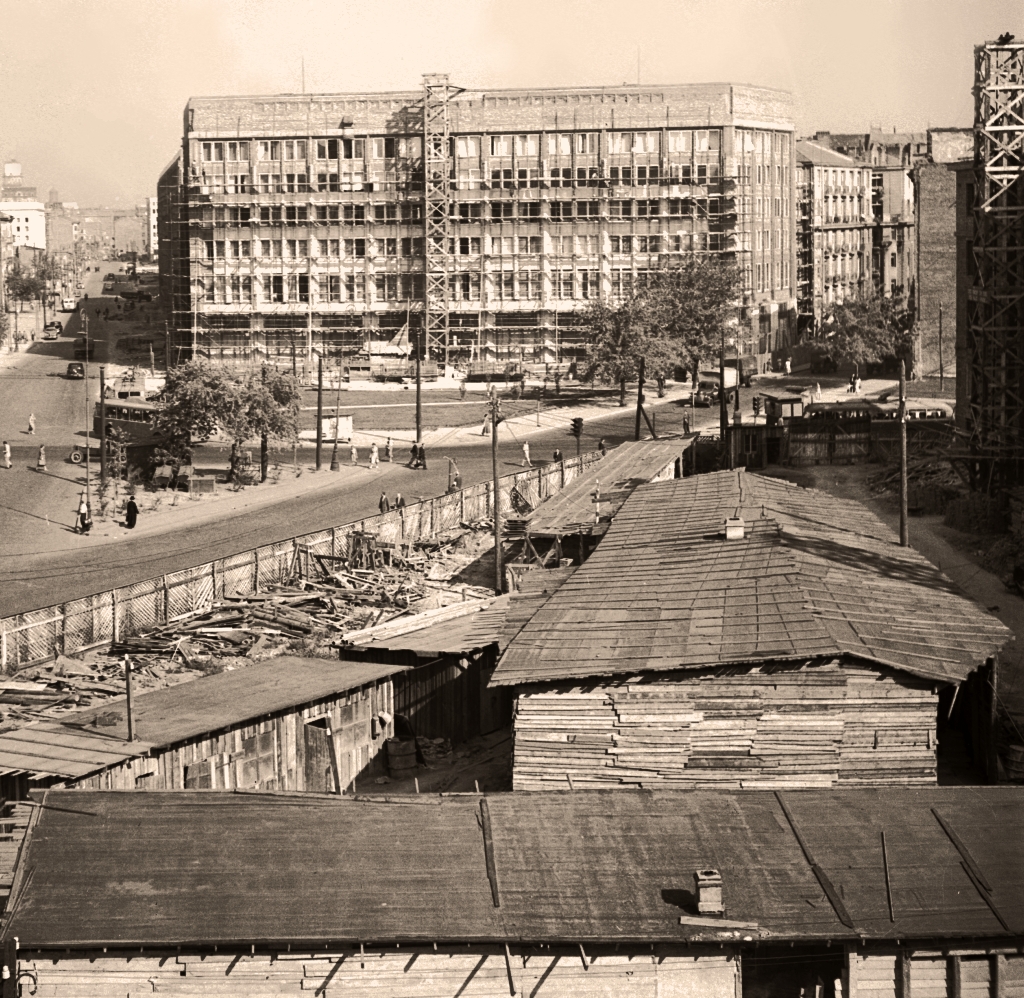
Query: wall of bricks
{"x":936,"y":256}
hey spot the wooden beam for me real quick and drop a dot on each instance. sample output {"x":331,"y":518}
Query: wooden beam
{"x":508,"y":970}
{"x":962,"y":849}
{"x":888,"y":885}
{"x":492,"y":872}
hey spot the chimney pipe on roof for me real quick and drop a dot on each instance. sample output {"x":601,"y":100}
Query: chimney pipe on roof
{"x":734,"y":527}
{"x":708,"y":890}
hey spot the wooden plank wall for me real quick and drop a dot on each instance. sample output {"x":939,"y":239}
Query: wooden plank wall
{"x":267,"y":754}
{"x":836,"y":724}
{"x":411,"y":971}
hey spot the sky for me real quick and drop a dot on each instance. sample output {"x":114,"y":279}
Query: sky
{"x":92,"y":91}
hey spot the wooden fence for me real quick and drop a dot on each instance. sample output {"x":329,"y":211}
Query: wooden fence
{"x":104,"y":617}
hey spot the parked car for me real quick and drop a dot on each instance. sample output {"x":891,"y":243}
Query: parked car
{"x":52,"y":330}
{"x":76,"y":371}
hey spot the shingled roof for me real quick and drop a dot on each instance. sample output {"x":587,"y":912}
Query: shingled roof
{"x":205,"y":868}
{"x":813,"y":576}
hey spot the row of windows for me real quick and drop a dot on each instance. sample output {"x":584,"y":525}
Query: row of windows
{"x":771,"y":276}
{"x":404,"y":147}
{"x":588,"y":245}
{"x":565,"y":284}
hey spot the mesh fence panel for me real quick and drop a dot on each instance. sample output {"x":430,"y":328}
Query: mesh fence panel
{"x":39,"y":634}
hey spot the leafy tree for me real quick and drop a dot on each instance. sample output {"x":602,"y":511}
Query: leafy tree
{"x":197,"y":399}
{"x":23,"y":286}
{"x":264,"y":405}
{"x":693,"y":303}
{"x":620,"y":334}
{"x":868,"y":330}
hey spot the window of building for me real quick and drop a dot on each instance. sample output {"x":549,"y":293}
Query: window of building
{"x":646,"y":142}
{"x":326,"y":148}
{"x":501,"y":145}
{"x":465,"y":245}
{"x":622,"y":282}
{"x":561,"y":209}
{"x":647,"y":209}
{"x":296,"y":213}
{"x":620,"y":176}
{"x":622,"y":244}
{"x":892,"y":259}
{"x":527,"y":145}
{"x":238,"y":151}
{"x":353,"y":149}
{"x":327,"y":213}
{"x":590,"y":284}
{"x":680,"y":142}
{"x":559,"y":143}
{"x":464,"y":287}
{"x":382,"y":148}
{"x":529,"y":209}
{"x":386,"y":286}
{"x":587,"y":209}
{"x":328,"y":183}
{"x":410,"y":286}
{"x":620,"y":209}
{"x":502,"y":179}
{"x":273,"y":287}
{"x":355,"y":287}
{"x":330,"y":287}
{"x":412,"y":246}
{"x":620,"y":142}
{"x":268,"y":150}
{"x":501,"y":209}
{"x":530,"y":244}
{"x":328,"y":247}
{"x":355,"y":248}
{"x":504,"y":285}
{"x":354,"y":214}
{"x":587,"y":245}
{"x":466,"y":211}
{"x":586,"y":143}
{"x":213,"y":152}
{"x":385,"y":212}
{"x":529,"y":177}
{"x":648,"y":244}
{"x":563,"y":283}
{"x":467,"y":146}
{"x":294,"y":148}
{"x":530,"y":284}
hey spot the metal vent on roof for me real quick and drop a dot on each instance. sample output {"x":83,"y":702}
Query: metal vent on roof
{"x":734,"y":527}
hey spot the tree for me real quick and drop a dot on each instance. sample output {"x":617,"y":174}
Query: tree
{"x":23,"y":286}
{"x":693,"y":303}
{"x":620,"y":334}
{"x":197,"y":400}
{"x":266,"y":405}
{"x":868,"y":330}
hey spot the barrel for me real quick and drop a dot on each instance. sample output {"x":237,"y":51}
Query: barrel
{"x":401,"y":756}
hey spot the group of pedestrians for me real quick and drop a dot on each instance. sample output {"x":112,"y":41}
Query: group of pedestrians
{"x":389,"y":454}
{"x":385,"y":505}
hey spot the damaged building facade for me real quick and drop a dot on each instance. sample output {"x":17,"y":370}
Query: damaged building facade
{"x":329,"y":225}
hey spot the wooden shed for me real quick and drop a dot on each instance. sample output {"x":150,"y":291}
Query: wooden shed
{"x":879,"y":893}
{"x":284,"y":724}
{"x":733,"y":630}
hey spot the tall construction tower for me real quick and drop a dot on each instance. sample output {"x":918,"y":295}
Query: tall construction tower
{"x":437,"y":195}
{"x":995,"y":306}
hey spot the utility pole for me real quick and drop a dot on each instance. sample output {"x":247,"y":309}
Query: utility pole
{"x":723,"y":405}
{"x":337,"y":424}
{"x":419,"y":393}
{"x":103,"y":428}
{"x":319,"y":410}
{"x":128,"y":697}
{"x":941,"y":372}
{"x":639,"y":397}
{"x":904,"y":527}
{"x":88,"y":482}
{"x":498,"y":571}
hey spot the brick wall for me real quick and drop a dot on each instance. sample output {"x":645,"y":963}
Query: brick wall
{"x":936,"y":261}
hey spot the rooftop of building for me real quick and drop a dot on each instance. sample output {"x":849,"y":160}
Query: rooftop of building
{"x":126,"y":869}
{"x":215,"y":703}
{"x":518,"y":109}
{"x":819,"y":155}
{"x":813,"y":576}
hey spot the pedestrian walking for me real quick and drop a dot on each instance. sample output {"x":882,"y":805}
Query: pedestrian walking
{"x":32,"y":423}
{"x":817,"y":392}
{"x":83,"y":514}
{"x":485,"y":428}
{"x":383,"y":505}
{"x":602,"y":447}
{"x":462,"y":390}
{"x":557,"y":456}
{"x":354,"y":454}
{"x":389,"y":451}
{"x":374,"y":455}
{"x":413,"y":454}
{"x":87,"y":519}
{"x":421,"y":457}
{"x":7,"y":455}
{"x":558,"y":383}
{"x":41,"y":462}
{"x":789,"y":366}
{"x":131,"y":513}
{"x":399,"y":501}
{"x":527,"y":463}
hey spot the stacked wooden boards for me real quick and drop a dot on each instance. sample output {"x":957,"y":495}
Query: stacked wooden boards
{"x":836,"y":723}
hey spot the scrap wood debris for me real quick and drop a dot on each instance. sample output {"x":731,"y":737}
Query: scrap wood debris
{"x":324,"y":599}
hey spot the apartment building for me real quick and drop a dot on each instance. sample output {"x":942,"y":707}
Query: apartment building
{"x":304,"y":219}
{"x":152,"y":236}
{"x":835,"y":224}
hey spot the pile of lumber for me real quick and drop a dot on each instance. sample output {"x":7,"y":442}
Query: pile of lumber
{"x":811,"y":726}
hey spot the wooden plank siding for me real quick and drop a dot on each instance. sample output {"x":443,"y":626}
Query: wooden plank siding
{"x":267,"y":754}
{"x":838,"y":723}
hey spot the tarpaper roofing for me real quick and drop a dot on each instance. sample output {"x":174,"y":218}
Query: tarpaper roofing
{"x":813,"y":576}
{"x":451,"y":630}
{"x":212,"y":868}
{"x":53,"y":749}
{"x":616,"y":476}
{"x":188,"y":710}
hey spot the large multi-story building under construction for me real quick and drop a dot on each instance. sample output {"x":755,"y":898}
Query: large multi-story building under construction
{"x":331,"y":225}
{"x":990,"y":326}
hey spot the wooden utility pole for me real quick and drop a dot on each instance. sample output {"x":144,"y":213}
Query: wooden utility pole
{"x":88,"y":476}
{"x":419,"y":393}
{"x":319,"y":411}
{"x":498,"y":571}
{"x":941,"y":372}
{"x":128,"y":697}
{"x":639,"y":398}
{"x":723,"y":407}
{"x":103,"y":427}
{"x":904,"y":527}
{"x":337,"y":424}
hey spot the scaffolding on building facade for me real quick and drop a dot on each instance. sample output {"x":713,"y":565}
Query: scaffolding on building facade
{"x":995,"y":306}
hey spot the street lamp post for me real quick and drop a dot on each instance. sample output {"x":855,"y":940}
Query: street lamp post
{"x":88,"y":478}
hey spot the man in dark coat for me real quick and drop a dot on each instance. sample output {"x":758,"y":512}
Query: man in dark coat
{"x":399,"y":501}
{"x":421,"y":458}
{"x":131,"y":513}
{"x":384,"y":505}
{"x":414,"y":453}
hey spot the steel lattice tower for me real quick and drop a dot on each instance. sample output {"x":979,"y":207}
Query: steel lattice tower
{"x":437,"y":189}
{"x":995,"y":306}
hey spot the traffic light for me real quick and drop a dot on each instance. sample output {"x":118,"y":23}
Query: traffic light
{"x":577,"y":427}
{"x":757,"y":406}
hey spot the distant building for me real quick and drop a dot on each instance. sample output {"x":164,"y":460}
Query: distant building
{"x":13,"y":187}
{"x":152,"y":235}
{"x":834,"y":233}
{"x":951,"y":150}
{"x":28,"y":224}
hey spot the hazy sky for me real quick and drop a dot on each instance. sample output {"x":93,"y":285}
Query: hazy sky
{"x":92,"y":91}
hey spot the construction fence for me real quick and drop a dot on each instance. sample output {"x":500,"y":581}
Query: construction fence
{"x":119,"y":613}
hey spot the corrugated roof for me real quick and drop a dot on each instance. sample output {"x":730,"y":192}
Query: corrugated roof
{"x":813,"y":576}
{"x":126,"y":869}
{"x":214,"y":703}
{"x":49,"y":748}
{"x":618,"y":473}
